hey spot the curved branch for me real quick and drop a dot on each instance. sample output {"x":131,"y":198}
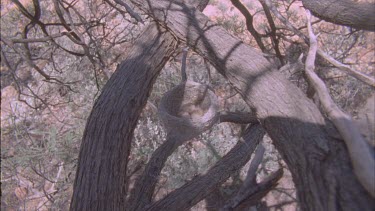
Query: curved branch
{"x":101,"y":173}
{"x":352,"y":72}
{"x":360,"y":153}
{"x":249,"y":23}
{"x":351,"y":13}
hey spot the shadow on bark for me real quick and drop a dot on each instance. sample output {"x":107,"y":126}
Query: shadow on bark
{"x":317,"y":159}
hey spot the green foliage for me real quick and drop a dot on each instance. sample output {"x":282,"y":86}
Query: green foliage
{"x":31,"y":155}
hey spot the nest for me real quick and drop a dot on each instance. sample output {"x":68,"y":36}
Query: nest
{"x":188,"y":109}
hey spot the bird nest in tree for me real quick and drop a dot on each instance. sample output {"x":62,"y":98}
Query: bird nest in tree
{"x":188,"y":109}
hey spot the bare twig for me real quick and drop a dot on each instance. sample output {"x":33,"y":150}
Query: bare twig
{"x":360,"y":153}
{"x":352,"y":72}
{"x":249,"y":23}
{"x":361,"y":76}
{"x":128,"y":9}
{"x":29,"y":62}
{"x":274,"y":38}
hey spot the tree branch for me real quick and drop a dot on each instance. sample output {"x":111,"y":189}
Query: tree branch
{"x":237,"y":117}
{"x":256,"y":193}
{"x":42,"y":39}
{"x":352,"y":72}
{"x":102,"y":165}
{"x":295,"y":124}
{"x":29,"y":62}
{"x":274,"y":38}
{"x":201,"y":186}
{"x":356,"y":14}
{"x":360,"y":153}
{"x":249,"y":182}
{"x":130,"y":11}
{"x":249,"y":23}
{"x":145,"y":185}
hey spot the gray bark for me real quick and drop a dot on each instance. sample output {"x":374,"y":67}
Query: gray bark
{"x":100,"y":180}
{"x":358,"y":149}
{"x":319,"y":163}
{"x":356,"y":14}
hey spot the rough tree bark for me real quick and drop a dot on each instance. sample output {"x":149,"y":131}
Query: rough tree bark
{"x":356,"y":14}
{"x":100,"y":180}
{"x":318,"y":160}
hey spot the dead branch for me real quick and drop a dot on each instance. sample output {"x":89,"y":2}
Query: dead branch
{"x":274,"y":38}
{"x":350,"y":71}
{"x":360,"y":153}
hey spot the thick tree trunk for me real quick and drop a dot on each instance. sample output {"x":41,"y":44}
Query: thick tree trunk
{"x":318,"y":161}
{"x":356,"y":14}
{"x":100,"y":180}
